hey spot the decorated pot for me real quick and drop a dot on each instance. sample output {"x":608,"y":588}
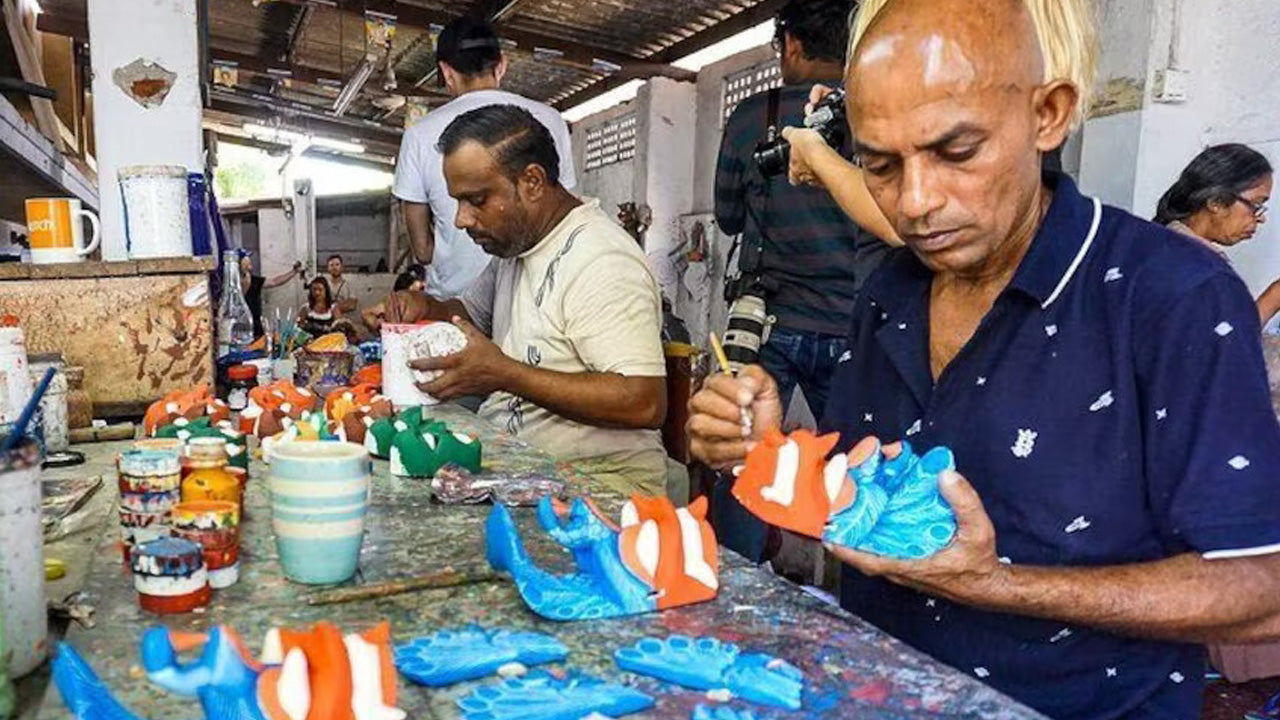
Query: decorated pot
{"x":319,"y":495}
{"x":170,"y":576}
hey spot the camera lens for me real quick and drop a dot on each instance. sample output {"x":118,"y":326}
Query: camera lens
{"x":774,"y":158}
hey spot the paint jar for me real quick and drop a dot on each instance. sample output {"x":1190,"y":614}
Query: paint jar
{"x":263,"y":366}
{"x":21,"y":563}
{"x":215,"y":526}
{"x":170,"y":576}
{"x":319,"y":496}
{"x":205,"y":476}
{"x":79,"y":403}
{"x":157,"y":220}
{"x":240,"y":380}
{"x":15,"y":381}
{"x":53,"y":405}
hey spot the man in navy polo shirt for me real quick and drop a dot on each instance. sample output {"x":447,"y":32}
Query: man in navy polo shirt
{"x":1099,"y":379}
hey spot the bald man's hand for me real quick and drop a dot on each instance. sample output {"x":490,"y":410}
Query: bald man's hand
{"x":730,"y":414}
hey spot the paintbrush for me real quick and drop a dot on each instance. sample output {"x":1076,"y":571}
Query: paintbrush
{"x":446,"y":578}
{"x":723,"y":360}
{"x":20,"y":428}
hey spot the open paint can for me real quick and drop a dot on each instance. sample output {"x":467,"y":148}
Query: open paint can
{"x":170,"y":576}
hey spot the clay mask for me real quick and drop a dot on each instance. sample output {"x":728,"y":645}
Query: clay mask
{"x":658,"y":557}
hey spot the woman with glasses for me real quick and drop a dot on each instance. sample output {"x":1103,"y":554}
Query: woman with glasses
{"x":1221,"y":199}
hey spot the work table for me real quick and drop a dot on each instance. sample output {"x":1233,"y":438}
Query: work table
{"x":851,"y":669}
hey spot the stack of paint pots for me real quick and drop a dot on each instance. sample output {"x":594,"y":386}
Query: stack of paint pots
{"x":170,"y":576}
{"x":215,"y":526}
{"x":150,"y":485}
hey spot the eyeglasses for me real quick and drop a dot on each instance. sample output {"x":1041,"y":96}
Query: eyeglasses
{"x":779,"y":32}
{"x":1259,"y":208}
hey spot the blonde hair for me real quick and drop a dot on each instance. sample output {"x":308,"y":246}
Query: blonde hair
{"x":1067,"y":32}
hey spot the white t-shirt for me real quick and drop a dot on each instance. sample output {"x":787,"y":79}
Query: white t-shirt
{"x":581,"y":300}
{"x":458,"y":260}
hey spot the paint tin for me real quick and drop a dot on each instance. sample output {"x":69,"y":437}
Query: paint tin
{"x":53,"y":406}
{"x":15,"y":380}
{"x":157,"y":219}
{"x":149,"y":481}
{"x":215,"y":526}
{"x":21,"y":561}
{"x":170,"y":576}
{"x":319,"y":496}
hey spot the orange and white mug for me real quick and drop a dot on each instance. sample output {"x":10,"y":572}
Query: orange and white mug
{"x":55,"y":231}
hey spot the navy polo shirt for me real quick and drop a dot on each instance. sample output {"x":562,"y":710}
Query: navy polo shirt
{"x":1111,"y":408}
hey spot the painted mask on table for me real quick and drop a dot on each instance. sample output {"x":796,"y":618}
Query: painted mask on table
{"x":658,"y":557}
{"x":319,"y":674}
{"x":879,"y":499}
{"x":188,"y":405}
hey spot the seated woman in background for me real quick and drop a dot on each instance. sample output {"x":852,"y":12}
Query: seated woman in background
{"x":321,"y":314}
{"x":373,"y":317}
{"x":1221,"y":199}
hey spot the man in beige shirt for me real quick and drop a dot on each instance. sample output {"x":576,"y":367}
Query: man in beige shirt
{"x":575,"y":364}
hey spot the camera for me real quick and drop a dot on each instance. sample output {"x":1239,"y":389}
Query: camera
{"x":773,"y":154}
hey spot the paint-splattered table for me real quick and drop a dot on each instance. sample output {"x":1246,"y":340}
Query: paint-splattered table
{"x":851,"y":669}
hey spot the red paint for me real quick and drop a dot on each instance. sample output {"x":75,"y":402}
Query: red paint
{"x":876,"y":693}
{"x":175,"y":605}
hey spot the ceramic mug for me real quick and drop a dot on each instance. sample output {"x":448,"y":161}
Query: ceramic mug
{"x":55,"y":231}
{"x":319,"y":496}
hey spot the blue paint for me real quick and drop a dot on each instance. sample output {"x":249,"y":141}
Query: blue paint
{"x":603,"y":587}
{"x":897,"y":510}
{"x":542,"y":696}
{"x":705,"y":663}
{"x":451,"y":656}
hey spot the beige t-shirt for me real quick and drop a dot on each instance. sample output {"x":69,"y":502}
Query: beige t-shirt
{"x":581,"y":300}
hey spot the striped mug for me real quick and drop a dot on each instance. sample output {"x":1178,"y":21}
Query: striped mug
{"x":319,"y":495}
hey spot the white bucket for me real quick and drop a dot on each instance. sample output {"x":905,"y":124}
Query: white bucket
{"x":15,"y":381}
{"x":26,"y":628}
{"x":157,"y":216}
{"x":53,"y":406}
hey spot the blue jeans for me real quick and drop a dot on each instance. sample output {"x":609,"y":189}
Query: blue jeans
{"x":792,"y":357}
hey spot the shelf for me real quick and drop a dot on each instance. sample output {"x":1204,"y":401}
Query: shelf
{"x":30,"y":166}
{"x":126,"y":268}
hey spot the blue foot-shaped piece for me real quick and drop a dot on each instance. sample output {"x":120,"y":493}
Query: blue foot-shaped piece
{"x":542,"y":696}
{"x":705,"y":663}
{"x":451,"y":656}
{"x":220,"y":664}
{"x":82,"y":692}
{"x":601,"y":588}
{"x":720,"y":712}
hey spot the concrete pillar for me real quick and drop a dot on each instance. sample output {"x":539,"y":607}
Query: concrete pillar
{"x":164,"y":33}
{"x":665,"y":166}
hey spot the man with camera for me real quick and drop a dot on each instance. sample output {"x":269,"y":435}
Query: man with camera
{"x":802,"y":260}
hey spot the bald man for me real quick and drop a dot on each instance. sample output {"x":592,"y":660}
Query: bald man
{"x":1098,"y":378}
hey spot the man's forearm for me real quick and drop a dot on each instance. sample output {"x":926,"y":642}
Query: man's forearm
{"x":417,"y":218}
{"x":600,"y":399}
{"x":845,"y":182}
{"x":1183,"y":599}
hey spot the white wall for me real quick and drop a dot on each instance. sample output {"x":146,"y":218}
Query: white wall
{"x":611,"y":184}
{"x":164,"y":32}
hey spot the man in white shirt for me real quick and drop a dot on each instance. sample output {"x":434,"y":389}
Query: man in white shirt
{"x":471,"y":65}
{"x":575,"y":364}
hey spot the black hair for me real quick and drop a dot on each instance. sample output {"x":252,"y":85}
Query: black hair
{"x":470,"y":46}
{"x":511,"y":133}
{"x":1218,"y":174}
{"x":328,"y":294}
{"x":403,"y":281}
{"x":821,"y":26}
{"x":331,"y":257}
